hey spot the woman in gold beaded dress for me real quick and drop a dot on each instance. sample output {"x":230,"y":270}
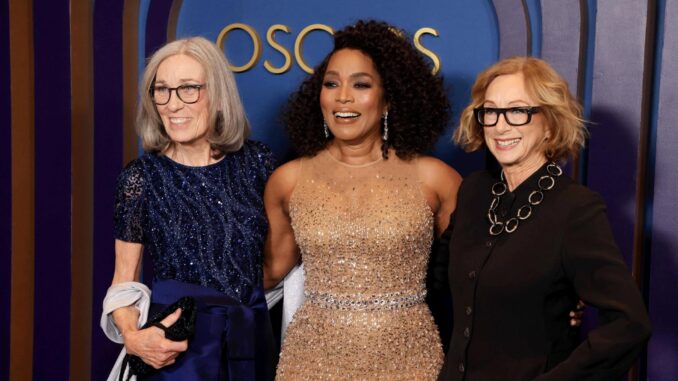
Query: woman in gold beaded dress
{"x":361,"y":207}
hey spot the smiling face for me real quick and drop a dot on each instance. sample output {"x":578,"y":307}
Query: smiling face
{"x":184,"y":123}
{"x":352,"y":97}
{"x":514,"y":147}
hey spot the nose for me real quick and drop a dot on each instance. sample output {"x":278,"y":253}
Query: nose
{"x":502,"y":124}
{"x":344,"y":95}
{"x":174,"y":103}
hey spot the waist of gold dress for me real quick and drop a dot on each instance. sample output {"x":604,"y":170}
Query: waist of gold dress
{"x":366,"y":302}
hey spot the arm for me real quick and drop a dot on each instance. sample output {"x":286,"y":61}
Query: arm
{"x":127,"y":269}
{"x":149,"y":344}
{"x":440,"y":186}
{"x":592,"y":263}
{"x":281,"y":252}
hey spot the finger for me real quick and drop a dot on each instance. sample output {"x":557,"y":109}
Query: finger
{"x":154,"y":364}
{"x":167,"y":356}
{"x":173,"y":356}
{"x":167,"y":359}
{"x":160,"y":360}
{"x":580,"y":305}
{"x":575,"y":323}
{"x":175,"y":346}
{"x":171,"y":318}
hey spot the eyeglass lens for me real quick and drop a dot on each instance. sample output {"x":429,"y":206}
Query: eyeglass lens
{"x":515,"y":116}
{"x":186,"y":93}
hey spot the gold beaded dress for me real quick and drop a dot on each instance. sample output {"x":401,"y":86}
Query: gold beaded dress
{"x":365,"y":235}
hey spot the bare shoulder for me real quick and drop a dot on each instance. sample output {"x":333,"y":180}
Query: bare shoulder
{"x":440,"y":184}
{"x":436,"y":174}
{"x":282,"y":181}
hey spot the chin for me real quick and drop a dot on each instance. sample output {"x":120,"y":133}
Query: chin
{"x":507,"y":161}
{"x":175,"y":138}
{"x":181,"y":139}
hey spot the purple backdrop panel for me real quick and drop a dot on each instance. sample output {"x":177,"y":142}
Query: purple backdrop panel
{"x":561,"y":41}
{"x":51,"y":31}
{"x":5,"y":190}
{"x":156,"y":25}
{"x":663,"y":349}
{"x":514,"y":38}
{"x":617,"y":93}
{"x":108,"y":147}
{"x":561,"y":36}
{"x":157,"y":21}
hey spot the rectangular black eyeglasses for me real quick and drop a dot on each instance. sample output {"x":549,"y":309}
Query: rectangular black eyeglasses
{"x":514,"y":116}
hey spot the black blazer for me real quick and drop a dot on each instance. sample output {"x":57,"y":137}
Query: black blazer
{"x":512,"y":293}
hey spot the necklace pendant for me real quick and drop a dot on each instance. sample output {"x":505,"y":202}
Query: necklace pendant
{"x":524,"y":212}
{"x":496,"y":228}
{"x":499,"y":188}
{"x":536,"y":197}
{"x":511,"y":225}
{"x":554,"y":169}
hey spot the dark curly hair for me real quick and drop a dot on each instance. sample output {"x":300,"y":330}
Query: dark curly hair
{"x":419,"y":110}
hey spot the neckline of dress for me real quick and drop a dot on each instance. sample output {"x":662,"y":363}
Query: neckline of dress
{"x":380,"y":159}
{"x":197,"y":167}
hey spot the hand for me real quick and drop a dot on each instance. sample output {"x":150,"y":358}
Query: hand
{"x":151,"y":345}
{"x":577,"y":314}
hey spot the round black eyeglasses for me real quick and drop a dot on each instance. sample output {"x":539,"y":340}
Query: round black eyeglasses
{"x":188,"y":94}
{"x":514,"y":116}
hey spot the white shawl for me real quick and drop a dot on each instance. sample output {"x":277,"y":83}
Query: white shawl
{"x":123,"y":295}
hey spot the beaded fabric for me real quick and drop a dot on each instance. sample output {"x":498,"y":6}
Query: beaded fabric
{"x":200,"y":225}
{"x":365,"y":235}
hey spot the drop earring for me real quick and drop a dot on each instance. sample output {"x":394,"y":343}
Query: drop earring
{"x":385,"y":136}
{"x":327,"y":130}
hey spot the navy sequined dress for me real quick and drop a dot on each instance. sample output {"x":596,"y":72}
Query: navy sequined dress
{"x":204,"y":229}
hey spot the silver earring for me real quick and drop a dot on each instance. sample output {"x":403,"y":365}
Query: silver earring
{"x":327,"y":130}
{"x":385,"y":136}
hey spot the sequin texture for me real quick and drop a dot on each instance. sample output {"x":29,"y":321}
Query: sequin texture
{"x":200,"y":225}
{"x":365,"y":235}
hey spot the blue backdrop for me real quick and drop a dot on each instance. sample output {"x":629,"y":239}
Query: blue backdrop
{"x":466,"y":43}
{"x":73,"y":67}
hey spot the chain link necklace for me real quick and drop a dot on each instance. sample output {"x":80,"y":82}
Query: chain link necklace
{"x":545,"y":183}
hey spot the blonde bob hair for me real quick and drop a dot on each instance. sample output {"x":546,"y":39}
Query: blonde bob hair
{"x":228,"y":123}
{"x":562,"y":111}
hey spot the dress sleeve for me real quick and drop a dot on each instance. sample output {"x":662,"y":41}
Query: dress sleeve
{"x":129,"y":205}
{"x":593,"y":264}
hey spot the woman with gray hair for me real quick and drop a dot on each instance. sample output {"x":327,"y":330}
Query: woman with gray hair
{"x":193,"y":203}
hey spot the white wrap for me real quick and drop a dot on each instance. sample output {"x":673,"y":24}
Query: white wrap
{"x":291,"y":290}
{"x":123,"y":295}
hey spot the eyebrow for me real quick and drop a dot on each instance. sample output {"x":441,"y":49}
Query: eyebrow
{"x":354,"y":75}
{"x":181,"y":81}
{"x":510,"y":103}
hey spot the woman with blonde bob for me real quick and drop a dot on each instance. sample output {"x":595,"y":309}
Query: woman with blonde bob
{"x":526,"y":242}
{"x":542,"y":82}
{"x":193,"y":204}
